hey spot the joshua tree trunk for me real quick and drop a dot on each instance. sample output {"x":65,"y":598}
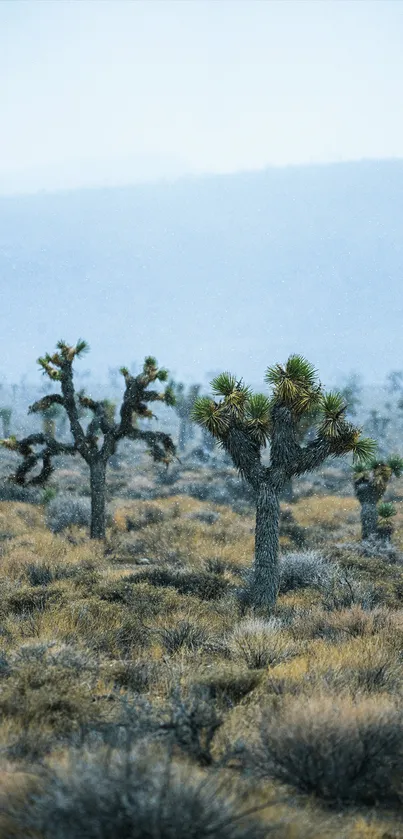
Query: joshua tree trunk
{"x":97,"y":481}
{"x":369,"y":520}
{"x":183,"y":434}
{"x":288,"y":491}
{"x":266,"y":569}
{"x":368,"y":498}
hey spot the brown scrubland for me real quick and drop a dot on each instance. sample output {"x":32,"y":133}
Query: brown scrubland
{"x":141,"y":697}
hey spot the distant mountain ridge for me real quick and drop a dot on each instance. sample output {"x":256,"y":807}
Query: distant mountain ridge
{"x":215,"y":272}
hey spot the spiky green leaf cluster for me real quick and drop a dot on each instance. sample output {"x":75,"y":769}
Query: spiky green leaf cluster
{"x":295,"y":384}
{"x":53,"y":365}
{"x":258,"y":417}
{"x":363,"y":450}
{"x":210,"y":415}
{"x":386,"y":510}
{"x":224,"y":384}
{"x":169,"y":396}
{"x":150,"y":363}
{"x":333,"y":412}
{"x":10,"y":443}
{"x":395,"y":463}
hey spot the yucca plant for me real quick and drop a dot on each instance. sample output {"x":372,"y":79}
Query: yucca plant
{"x":244,"y":423}
{"x":184,"y":402}
{"x":371,"y":479}
{"x":98,"y":442}
{"x":5,"y":417}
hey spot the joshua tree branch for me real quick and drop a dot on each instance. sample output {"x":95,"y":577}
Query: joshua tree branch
{"x":70,"y":404}
{"x":46,"y":402}
{"x":245,"y":454}
{"x":51,"y":448}
{"x":161,"y":446}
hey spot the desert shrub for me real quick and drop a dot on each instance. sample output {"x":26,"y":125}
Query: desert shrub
{"x":339,"y":625}
{"x":259,"y":643}
{"x":4,"y":665}
{"x":194,"y":721}
{"x":198,"y":583}
{"x":10,"y":491}
{"x":375,"y":548}
{"x":124,"y":641}
{"x":205,"y":516}
{"x":65,"y":510}
{"x":148,"y":514}
{"x":343,"y":591}
{"x":226,"y":683}
{"x":137,"y":676}
{"x":133,"y":796}
{"x":303,"y":569}
{"x":184,"y":634}
{"x":26,"y":600}
{"x":217,"y":565}
{"x":39,"y":574}
{"x":42,"y":573}
{"x":343,"y":752}
{"x":42,"y":693}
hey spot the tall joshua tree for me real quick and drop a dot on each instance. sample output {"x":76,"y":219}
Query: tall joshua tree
{"x":371,"y":479}
{"x":98,"y":441}
{"x":244,"y":423}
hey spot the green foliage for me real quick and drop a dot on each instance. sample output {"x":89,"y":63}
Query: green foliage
{"x":224,"y":384}
{"x":386,"y":510}
{"x":208,"y":414}
{"x":297,"y":373}
{"x":150,"y":363}
{"x":82,"y":347}
{"x":48,"y":494}
{"x":169,"y":396}
{"x":395,"y":463}
{"x":363,"y":449}
{"x":333,"y":409}
{"x":296,"y":386}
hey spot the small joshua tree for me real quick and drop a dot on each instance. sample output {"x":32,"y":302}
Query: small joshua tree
{"x":371,"y":479}
{"x":243,"y":423}
{"x":5,"y":416}
{"x":98,"y":442}
{"x":184,"y":402}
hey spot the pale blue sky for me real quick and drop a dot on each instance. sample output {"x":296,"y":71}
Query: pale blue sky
{"x":103,"y":91}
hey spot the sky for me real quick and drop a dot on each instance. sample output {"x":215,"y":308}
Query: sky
{"x":99,"y":92}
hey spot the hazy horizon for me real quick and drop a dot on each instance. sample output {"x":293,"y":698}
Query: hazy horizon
{"x":112,"y":92}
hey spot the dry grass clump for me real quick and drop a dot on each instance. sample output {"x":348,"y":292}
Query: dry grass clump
{"x":339,"y":750}
{"x":342,"y":624}
{"x":360,"y":666}
{"x":260,"y":643}
{"x":184,"y":634}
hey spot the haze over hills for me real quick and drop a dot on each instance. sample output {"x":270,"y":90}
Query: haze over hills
{"x":208,"y":273}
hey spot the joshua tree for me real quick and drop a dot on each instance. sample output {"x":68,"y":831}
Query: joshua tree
{"x":5,"y":416}
{"x":98,"y":442}
{"x":351,"y":393}
{"x":184,"y":402}
{"x":244,"y":423}
{"x":371,"y":479}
